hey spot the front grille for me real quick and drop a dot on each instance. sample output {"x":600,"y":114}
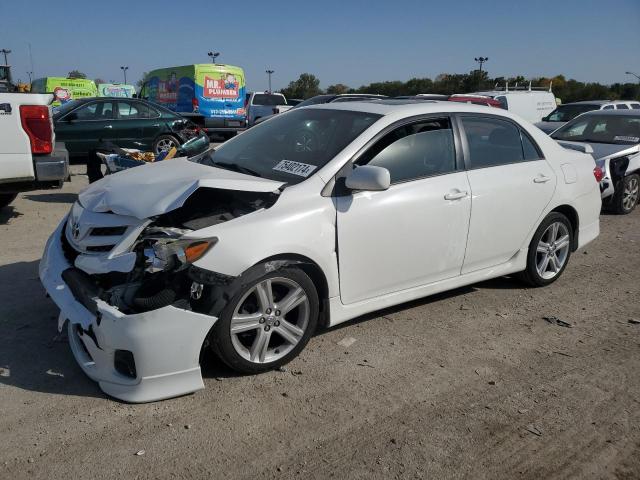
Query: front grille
{"x":107,"y":231}
{"x":69,"y":252}
{"x":97,"y":233}
{"x":100,"y":248}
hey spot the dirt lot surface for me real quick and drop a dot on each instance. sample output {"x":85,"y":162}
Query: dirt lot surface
{"x":470,"y":384}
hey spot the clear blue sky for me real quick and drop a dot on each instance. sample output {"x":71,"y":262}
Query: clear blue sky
{"x":350,"y":41}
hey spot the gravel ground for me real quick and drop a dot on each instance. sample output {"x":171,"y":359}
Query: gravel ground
{"x":470,"y":384}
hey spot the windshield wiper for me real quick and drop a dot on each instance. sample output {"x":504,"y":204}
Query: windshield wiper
{"x":236,"y":168}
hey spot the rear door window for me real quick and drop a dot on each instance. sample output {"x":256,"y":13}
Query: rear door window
{"x":494,"y":142}
{"x":622,"y":106}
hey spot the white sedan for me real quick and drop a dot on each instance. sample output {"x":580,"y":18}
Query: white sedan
{"x":317,"y":216}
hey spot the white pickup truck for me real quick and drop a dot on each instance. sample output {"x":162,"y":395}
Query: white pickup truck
{"x":29,"y":156}
{"x":264,"y":104}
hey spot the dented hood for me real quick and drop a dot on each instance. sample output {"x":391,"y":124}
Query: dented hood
{"x":153,"y":189}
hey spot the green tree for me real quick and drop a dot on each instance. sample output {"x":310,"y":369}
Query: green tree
{"x":76,"y":74}
{"x":338,"y":89}
{"x":306,"y":86}
{"x":142,"y":79}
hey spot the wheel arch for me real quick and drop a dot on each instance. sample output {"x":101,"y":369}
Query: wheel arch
{"x":572,"y":214}
{"x":314,"y":271}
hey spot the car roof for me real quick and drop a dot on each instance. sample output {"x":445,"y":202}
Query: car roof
{"x":600,"y":102}
{"x":613,"y":113}
{"x":410,"y":107}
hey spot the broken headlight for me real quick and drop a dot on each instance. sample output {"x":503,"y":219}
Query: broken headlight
{"x":176,"y":254}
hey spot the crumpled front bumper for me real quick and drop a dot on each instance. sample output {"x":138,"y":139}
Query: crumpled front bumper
{"x":165,"y":343}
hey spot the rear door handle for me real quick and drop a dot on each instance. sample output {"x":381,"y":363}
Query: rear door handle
{"x":108,"y":126}
{"x":456,"y":195}
{"x":541,"y":179}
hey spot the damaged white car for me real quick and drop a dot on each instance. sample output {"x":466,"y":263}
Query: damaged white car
{"x":313,"y":218}
{"x":612,"y":137}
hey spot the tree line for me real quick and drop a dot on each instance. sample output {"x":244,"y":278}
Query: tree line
{"x":308,"y":85}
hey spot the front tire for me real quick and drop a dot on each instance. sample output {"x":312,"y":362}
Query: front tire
{"x":549,"y":250}
{"x":6,"y":199}
{"x":626,"y":195}
{"x":268,"y":322}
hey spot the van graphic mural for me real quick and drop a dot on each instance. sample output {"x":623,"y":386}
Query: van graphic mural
{"x":212,"y":95}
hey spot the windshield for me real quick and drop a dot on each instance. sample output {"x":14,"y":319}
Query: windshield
{"x":291,"y":147}
{"x":564,"y":113}
{"x":616,"y":129}
{"x":268,"y":99}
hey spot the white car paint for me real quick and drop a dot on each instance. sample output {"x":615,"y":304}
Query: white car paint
{"x":375,"y":249}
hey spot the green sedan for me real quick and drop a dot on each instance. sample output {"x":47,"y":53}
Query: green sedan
{"x":86,"y":123}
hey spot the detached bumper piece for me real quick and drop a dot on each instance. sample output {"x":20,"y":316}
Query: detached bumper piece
{"x":140,"y":357}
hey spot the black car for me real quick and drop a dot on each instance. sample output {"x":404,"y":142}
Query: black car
{"x":86,"y":124}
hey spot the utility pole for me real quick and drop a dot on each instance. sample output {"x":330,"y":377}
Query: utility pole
{"x":30,"y":76}
{"x":124,"y":70}
{"x":635,"y":75}
{"x":480,"y":61}
{"x":213,"y":56}
{"x":270,"y":72}
{"x":5,"y":52}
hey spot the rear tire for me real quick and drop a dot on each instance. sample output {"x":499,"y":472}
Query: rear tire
{"x":626,"y":195}
{"x":258,"y":330}
{"x":549,"y":251}
{"x":165,"y":143}
{"x":6,"y":199}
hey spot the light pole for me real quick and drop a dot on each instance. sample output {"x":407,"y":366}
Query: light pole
{"x":5,"y":52}
{"x":270,"y":72}
{"x":635,"y":75}
{"x":213,"y":56}
{"x":481,"y":60}
{"x":124,"y":70}
{"x":30,"y":76}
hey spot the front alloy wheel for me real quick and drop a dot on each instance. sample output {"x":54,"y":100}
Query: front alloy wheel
{"x":268,"y":322}
{"x":630,"y":192}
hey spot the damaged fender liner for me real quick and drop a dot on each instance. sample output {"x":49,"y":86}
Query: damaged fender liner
{"x":220,"y":289}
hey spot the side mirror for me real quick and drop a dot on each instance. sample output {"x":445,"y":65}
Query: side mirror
{"x":368,"y":178}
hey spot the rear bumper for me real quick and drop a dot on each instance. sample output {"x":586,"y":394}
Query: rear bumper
{"x":54,"y":167}
{"x":165,"y":344}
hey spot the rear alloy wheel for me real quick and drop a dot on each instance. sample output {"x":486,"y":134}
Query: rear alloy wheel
{"x":164,"y":143}
{"x":626,"y":196}
{"x":549,"y":250}
{"x":6,"y":199}
{"x":268,"y":322}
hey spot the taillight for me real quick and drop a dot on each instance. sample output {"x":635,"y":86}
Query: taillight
{"x":36,"y":123}
{"x":598,"y":173}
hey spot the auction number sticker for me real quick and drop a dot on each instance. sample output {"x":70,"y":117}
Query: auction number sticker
{"x":625,"y":138}
{"x":295,"y":168}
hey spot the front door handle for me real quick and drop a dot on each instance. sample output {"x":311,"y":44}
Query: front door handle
{"x":108,"y":126}
{"x":541,"y":179}
{"x":456,"y":195}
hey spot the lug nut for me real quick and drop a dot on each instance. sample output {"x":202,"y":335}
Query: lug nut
{"x":277,"y":324}
{"x":277,"y":313}
{"x":268,"y":311}
{"x":267,"y":328}
{"x":261,"y":319}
